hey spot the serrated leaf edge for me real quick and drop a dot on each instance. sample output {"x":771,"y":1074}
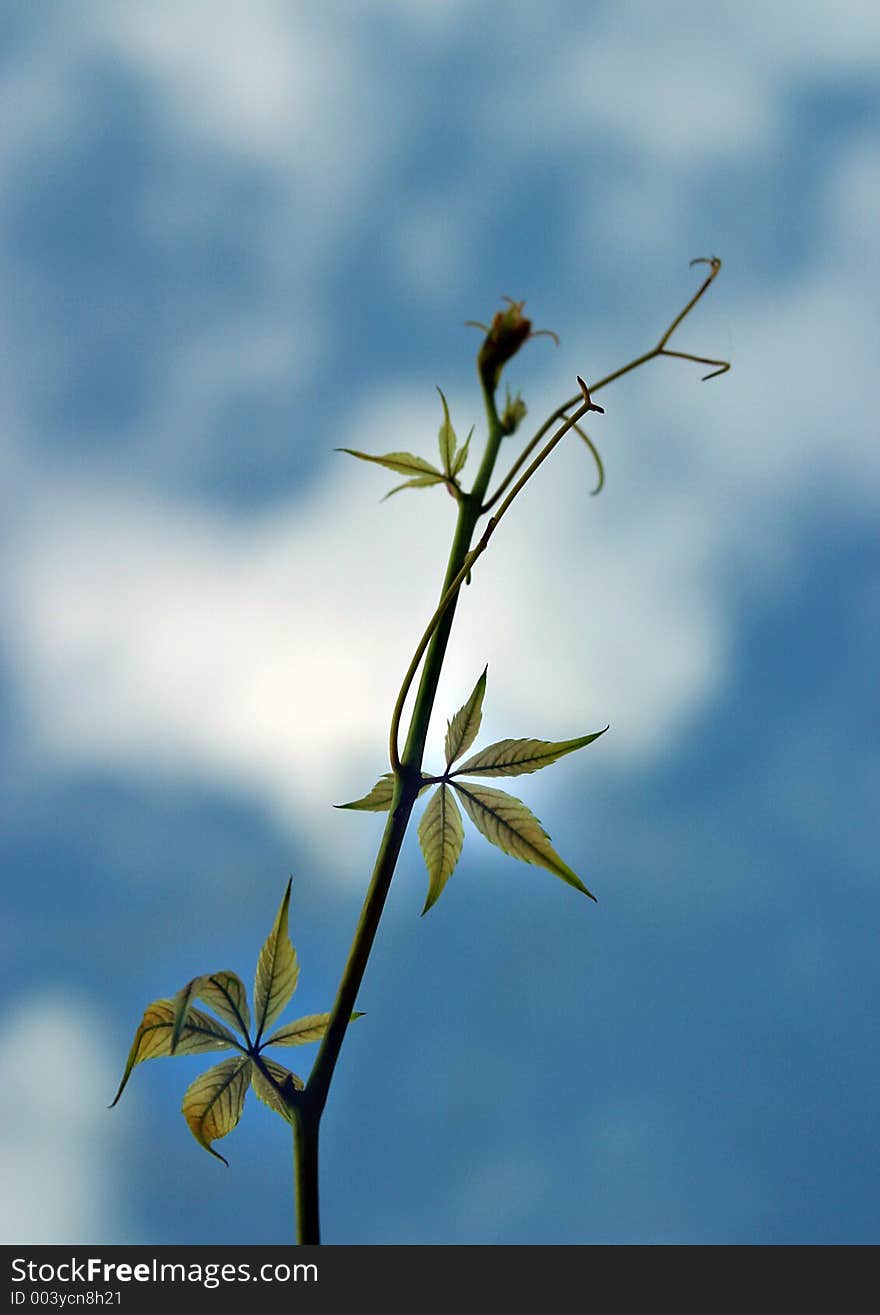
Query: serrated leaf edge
{"x":547,"y":859}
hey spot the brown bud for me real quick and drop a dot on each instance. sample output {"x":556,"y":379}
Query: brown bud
{"x":507,"y":333}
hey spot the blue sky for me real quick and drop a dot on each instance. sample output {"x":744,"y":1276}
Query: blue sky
{"x":234,"y":238}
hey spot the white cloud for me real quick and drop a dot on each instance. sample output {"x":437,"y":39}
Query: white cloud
{"x":57,"y":1144}
{"x":263,"y":653}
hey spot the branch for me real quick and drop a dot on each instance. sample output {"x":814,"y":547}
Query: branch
{"x":659,"y":350}
{"x":455,"y":585}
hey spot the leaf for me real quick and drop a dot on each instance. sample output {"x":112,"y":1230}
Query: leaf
{"x":422,"y":482}
{"x":182,"y":1002}
{"x":441,"y":836}
{"x":404,"y":463}
{"x":269,"y":1094}
{"x":226,"y":994}
{"x":462,"y":455}
{"x":516,"y":757}
{"x":507,"y":823}
{"x":277,"y":971}
{"x":213,"y":1104}
{"x":152,"y":1040}
{"x":310,"y":1028}
{"x":379,"y":798}
{"x":223,"y":992}
{"x":462,"y":730}
{"x":446,"y":439}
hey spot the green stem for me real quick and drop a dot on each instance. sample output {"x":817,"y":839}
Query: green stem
{"x":305,"y":1175}
{"x":408,"y":765}
{"x":469,"y":512}
{"x":406,"y":790}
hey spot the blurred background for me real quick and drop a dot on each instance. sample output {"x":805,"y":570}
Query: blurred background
{"x":235,"y":237}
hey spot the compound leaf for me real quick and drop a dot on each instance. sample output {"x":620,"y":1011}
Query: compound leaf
{"x":277,"y":971}
{"x":515,"y":757}
{"x":507,"y":823}
{"x":213,"y":1104}
{"x":441,"y":836}
{"x":462,"y":730}
{"x":199,"y":1033}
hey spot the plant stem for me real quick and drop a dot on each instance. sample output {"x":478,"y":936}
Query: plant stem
{"x":305,"y":1175}
{"x":407,"y":766}
{"x":406,"y":788}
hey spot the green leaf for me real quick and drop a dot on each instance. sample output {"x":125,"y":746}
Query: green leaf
{"x":422,"y":482}
{"x":441,"y":836}
{"x":182,"y":1002}
{"x":462,"y":455}
{"x":446,"y":439}
{"x":404,"y":463}
{"x":462,"y":730}
{"x":223,"y":992}
{"x":277,"y":971}
{"x":310,"y":1028}
{"x":213,"y":1104}
{"x":516,"y":757}
{"x":152,"y":1040}
{"x":379,"y":798}
{"x":226,"y":994}
{"x":269,"y":1094}
{"x":507,"y":823}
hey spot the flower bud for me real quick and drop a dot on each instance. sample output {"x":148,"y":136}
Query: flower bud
{"x":513,"y":415}
{"x":507,"y":333}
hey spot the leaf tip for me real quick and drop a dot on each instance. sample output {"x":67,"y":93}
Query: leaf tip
{"x":433,"y":896}
{"x":115,"y":1101}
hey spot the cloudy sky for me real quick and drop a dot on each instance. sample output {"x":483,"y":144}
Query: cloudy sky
{"x":234,"y":238}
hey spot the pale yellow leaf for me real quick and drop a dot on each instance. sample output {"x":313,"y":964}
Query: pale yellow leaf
{"x":200,"y":1033}
{"x":516,"y":757}
{"x":462,"y":730}
{"x":421,"y":482}
{"x":224,"y":992}
{"x":446,"y":439}
{"x":403,"y":462}
{"x":266,"y":1088}
{"x":379,"y":798}
{"x":310,"y":1028}
{"x":462,"y":455}
{"x":510,"y":825}
{"x":213,"y":1104}
{"x":277,"y":971}
{"x":441,"y":835}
